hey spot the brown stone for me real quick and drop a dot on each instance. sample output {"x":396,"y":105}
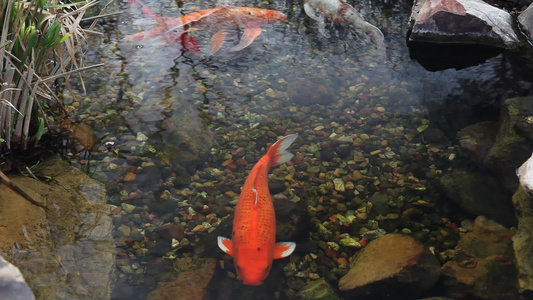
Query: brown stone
{"x":171,"y":231}
{"x":392,"y":262}
{"x":483,"y":266}
{"x":189,"y":285}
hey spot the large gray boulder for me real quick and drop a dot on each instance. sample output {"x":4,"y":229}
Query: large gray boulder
{"x":461,"y":22}
{"x":12,"y":284}
{"x":525,"y":20}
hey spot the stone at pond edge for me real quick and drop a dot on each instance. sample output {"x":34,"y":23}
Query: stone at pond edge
{"x":394,"y":264}
{"x":479,"y":194}
{"x":68,"y":250}
{"x":483,"y":265}
{"x":512,"y":146}
{"x":317,"y":290}
{"x":189,"y":285}
{"x":461,"y":22}
{"x":12,"y":284}
{"x":523,"y":241}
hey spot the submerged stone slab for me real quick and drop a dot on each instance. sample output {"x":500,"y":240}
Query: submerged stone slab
{"x":461,"y":22}
{"x":392,"y":263}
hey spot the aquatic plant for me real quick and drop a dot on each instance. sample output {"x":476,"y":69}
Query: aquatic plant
{"x":40,"y":42}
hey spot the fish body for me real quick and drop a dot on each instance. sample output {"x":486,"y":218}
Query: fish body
{"x":219,"y":19}
{"x":254,"y":226}
{"x":341,"y":12}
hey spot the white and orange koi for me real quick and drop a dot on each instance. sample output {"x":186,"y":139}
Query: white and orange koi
{"x":341,"y":12}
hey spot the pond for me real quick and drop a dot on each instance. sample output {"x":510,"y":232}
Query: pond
{"x":180,"y":131}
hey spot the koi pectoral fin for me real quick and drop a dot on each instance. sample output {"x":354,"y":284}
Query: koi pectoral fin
{"x":250,"y":34}
{"x":283,"y":249}
{"x":217,"y":41}
{"x":225,"y":245}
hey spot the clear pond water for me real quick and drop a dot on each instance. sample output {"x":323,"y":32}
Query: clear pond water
{"x":179,"y":133}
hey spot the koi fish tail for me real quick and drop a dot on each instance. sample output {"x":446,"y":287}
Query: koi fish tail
{"x":375,"y":35}
{"x":278,"y":152}
{"x":145,"y":10}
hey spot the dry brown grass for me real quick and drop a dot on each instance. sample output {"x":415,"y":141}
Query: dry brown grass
{"x":40,"y":41}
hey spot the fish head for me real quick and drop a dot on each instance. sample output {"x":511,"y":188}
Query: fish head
{"x":253,"y":265}
{"x":274,"y":16}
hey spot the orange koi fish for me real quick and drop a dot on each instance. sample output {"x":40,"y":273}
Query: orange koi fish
{"x":254,"y":227}
{"x":219,"y":19}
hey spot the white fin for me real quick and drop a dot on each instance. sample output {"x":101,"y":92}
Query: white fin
{"x":279,"y":152}
{"x":222,"y":241}
{"x":288,"y":249}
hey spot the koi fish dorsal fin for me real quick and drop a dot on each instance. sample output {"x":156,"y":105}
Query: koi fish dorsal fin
{"x":225,"y":245}
{"x":278,"y":152}
{"x":283,"y":249}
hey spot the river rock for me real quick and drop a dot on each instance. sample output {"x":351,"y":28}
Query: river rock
{"x":513,"y":143}
{"x":525,"y":21}
{"x":461,"y":22}
{"x":308,"y":91}
{"x":67,"y":250}
{"x":392,"y":263}
{"x":477,"y":139}
{"x":317,"y":290}
{"x":12,"y":284}
{"x":175,"y":129}
{"x":479,"y":194}
{"x":189,"y":285}
{"x":523,"y":241}
{"x":484,"y":265}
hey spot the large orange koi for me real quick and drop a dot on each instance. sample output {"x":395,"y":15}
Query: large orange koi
{"x":254,"y":227}
{"x":221,"y":19}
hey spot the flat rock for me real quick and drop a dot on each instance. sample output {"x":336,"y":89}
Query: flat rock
{"x":392,"y":262}
{"x":461,"y":22}
{"x":318,"y":290}
{"x":66,"y":251}
{"x":483,"y":266}
{"x":523,"y":241}
{"x":189,"y":285}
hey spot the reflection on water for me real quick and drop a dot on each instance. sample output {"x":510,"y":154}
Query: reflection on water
{"x":185,"y":130}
